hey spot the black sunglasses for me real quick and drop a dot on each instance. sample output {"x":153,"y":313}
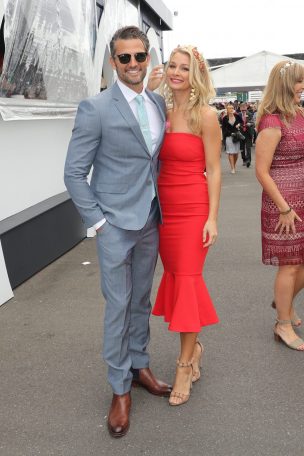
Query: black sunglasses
{"x":126,"y":58}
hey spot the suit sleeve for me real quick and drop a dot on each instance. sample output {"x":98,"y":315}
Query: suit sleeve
{"x":81,"y":153}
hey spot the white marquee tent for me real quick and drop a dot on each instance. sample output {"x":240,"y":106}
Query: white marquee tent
{"x":247,"y":74}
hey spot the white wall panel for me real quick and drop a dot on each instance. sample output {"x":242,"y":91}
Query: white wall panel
{"x":32,"y":156}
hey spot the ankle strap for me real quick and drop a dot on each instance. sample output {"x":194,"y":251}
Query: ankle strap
{"x":180,"y":364}
{"x":283,"y":322}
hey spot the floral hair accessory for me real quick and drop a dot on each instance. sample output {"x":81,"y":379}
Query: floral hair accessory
{"x":285,"y":67}
{"x":199,"y":58}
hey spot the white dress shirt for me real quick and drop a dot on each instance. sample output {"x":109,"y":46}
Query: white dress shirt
{"x":153,"y":116}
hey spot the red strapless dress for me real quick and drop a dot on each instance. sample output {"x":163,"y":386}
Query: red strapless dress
{"x":183,"y":299}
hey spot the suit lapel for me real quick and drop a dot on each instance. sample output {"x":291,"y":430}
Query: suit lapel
{"x":163,"y":118}
{"x":123,"y":107}
{"x":127,"y":113}
{"x":155,"y":101}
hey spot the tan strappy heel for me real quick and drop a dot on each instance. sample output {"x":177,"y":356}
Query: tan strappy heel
{"x":197,"y":364}
{"x":182,"y":398}
{"x":296,"y":320}
{"x":294,"y":345}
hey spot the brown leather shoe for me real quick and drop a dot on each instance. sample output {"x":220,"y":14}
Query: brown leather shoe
{"x":118,"y":418}
{"x":145,"y":378}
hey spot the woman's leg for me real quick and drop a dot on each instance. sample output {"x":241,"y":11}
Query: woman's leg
{"x":197,"y":360}
{"x":183,"y":376}
{"x":284,"y":288}
{"x":235,"y":157}
{"x":299,"y":283}
{"x":231,"y":161}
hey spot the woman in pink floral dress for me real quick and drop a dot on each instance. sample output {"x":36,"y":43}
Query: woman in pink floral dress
{"x":280,"y":170}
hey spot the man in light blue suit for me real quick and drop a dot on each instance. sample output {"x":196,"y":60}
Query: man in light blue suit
{"x":119,"y":132}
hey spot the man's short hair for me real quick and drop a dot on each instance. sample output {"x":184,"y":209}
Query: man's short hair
{"x":129,"y":33}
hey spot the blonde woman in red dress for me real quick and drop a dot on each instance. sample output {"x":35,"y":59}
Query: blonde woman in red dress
{"x":280,"y":170}
{"x":189,"y":201}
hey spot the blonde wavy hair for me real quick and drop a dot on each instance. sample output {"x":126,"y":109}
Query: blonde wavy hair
{"x":201,"y":83}
{"x":278,"y":95}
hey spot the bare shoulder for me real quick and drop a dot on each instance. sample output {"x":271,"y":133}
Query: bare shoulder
{"x":268,"y":136}
{"x":209,"y":119}
{"x":208,"y":115}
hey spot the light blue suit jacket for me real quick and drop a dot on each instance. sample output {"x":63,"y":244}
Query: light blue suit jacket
{"x":107,"y":136}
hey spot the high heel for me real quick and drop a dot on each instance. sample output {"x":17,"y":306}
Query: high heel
{"x":294,"y":345}
{"x":181,"y":397}
{"x":197,"y":364}
{"x":295,"y":321}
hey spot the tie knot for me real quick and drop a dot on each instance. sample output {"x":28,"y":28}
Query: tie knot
{"x":139,"y":100}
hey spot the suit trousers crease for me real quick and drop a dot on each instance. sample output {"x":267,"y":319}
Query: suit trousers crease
{"x":127,"y":262}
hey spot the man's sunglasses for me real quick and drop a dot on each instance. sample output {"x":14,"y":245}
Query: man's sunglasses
{"x":126,"y":58}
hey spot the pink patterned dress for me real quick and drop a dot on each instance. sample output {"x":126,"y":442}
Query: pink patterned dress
{"x":287,"y":170}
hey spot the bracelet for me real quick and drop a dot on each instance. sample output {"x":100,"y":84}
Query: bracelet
{"x":286,"y":212}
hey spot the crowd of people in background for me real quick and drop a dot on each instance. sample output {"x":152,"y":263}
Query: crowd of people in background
{"x":237,"y":120}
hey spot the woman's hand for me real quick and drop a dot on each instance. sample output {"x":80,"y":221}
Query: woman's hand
{"x":210,"y":233}
{"x":155,"y":77}
{"x":287,"y":222}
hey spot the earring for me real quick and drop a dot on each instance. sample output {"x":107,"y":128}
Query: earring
{"x":193,"y":94}
{"x":168,"y":96}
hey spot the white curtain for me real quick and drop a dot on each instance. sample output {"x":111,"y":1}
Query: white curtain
{"x":49,"y":50}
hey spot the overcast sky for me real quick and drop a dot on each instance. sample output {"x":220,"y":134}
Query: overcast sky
{"x":229,"y":28}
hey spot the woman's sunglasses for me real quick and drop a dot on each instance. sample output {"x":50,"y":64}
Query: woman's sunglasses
{"x":126,"y":58}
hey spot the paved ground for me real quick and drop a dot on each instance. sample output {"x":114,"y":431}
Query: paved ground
{"x":53,"y":392}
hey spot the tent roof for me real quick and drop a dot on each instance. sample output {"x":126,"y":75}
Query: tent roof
{"x":249,"y":73}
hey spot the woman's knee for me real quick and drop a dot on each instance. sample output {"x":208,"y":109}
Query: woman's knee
{"x":291,"y":269}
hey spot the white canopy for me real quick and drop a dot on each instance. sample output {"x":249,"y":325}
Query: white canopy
{"x":247,"y":74}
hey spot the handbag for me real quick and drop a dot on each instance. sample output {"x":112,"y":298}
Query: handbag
{"x":236,"y":137}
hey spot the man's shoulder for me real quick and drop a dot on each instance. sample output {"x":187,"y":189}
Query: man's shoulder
{"x":98,"y":100}
{"x":159,"y":98}
{"x":102,"y":96}
{"x":156,"y":97}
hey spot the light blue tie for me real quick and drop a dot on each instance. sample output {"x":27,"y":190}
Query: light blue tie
{"x":144,"y":126}
{"x":144,"y":121}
